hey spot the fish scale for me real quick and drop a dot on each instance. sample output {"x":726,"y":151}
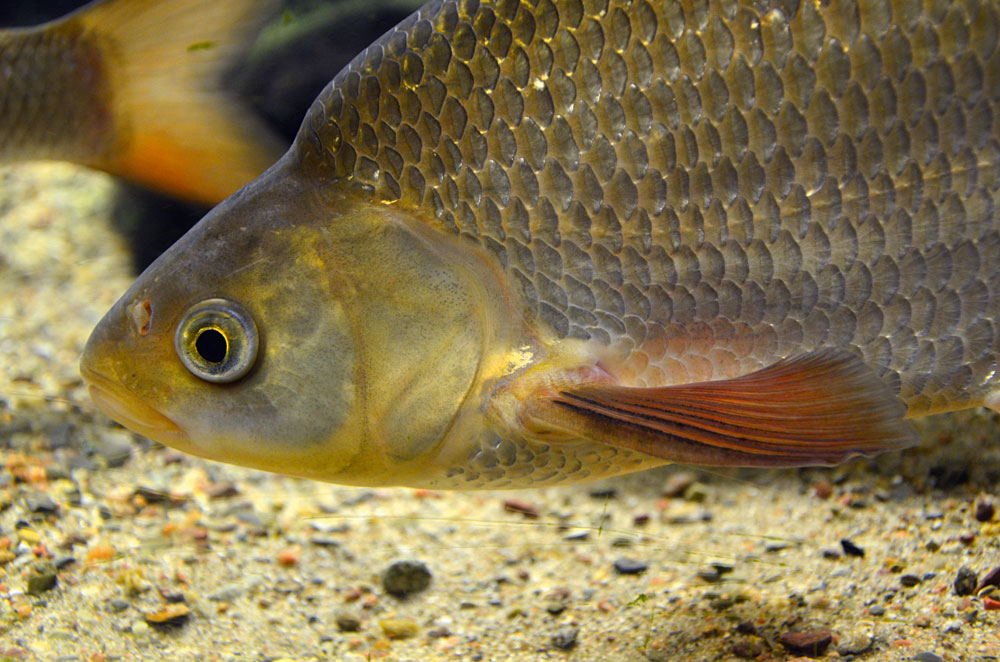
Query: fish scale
{"x":41,"y":71}
{"x":709,"y":186}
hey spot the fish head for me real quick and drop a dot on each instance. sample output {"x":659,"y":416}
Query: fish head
{"x":300,"y":331}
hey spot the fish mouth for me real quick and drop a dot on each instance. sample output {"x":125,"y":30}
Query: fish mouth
{"x":125,"y":408}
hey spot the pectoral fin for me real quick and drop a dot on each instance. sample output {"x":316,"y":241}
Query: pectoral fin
{"x":818,"y":408}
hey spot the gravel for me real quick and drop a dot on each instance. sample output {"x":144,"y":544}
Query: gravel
{"x":216,"y":534}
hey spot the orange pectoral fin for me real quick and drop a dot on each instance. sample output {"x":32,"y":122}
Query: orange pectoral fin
{"x":818,"y":408}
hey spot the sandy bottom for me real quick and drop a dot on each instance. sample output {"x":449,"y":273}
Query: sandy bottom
{"x":112,"y":548}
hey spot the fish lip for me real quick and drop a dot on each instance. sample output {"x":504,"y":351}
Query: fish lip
{"x":124,"y":407}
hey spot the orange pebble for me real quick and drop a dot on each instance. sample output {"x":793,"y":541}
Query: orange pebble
{"x":290,"y":555}
{"x":101,"y":553}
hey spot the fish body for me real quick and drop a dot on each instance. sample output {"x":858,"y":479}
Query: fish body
{"x":525,"y":243}
{"x":133,"y":87}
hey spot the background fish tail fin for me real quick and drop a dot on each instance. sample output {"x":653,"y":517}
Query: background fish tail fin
{"x":820,"y":408}
{"x":177,"y":130}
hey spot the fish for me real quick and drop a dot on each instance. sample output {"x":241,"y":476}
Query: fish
{"x":524,"y":243}
{"x":133,"y":88}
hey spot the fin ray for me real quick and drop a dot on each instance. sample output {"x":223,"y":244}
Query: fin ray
{"x":818,"y":408}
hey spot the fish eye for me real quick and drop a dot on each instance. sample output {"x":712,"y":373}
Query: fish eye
{"x":217,"y":340}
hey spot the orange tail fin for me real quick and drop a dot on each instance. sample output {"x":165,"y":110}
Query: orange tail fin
{"x":176,"y":128}
{"x":819,"y":408}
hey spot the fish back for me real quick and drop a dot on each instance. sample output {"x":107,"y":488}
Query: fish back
{"x":706,"y":186}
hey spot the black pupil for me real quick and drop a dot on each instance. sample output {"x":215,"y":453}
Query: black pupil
{"x":211,"y":345}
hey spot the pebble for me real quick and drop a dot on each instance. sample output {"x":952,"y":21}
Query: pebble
{"x":985,"y":510}
{"x":747,"y":650}
{"x":64,"y":562}
{"x":399,"y":628}
{"x":627,"y":566}
{"x":529,"y":510}
{"x":857,"y":641}
{"x":965,"y":581}
{"x":928,"y":656}
{"x":991,"y":578}
{"x":117,"y":605}
{"x":603,"y":493}
{"x":42,"y":578}
{"x":555,"y":607}
{"x":348,"y":621}
{"x":876,"y":610}
{"x":174,"y":613}
{"x":954,"y":625}
{"x":850,"y":548}
{"x":222,"y":490}
{"x":813,"y":643}
{"x":41,"y":503}
{"x":909,"y":581}
{"x":565,"y":637}
{"x":697,"y":492}
{"x":406,"y":576}
{"x":676,"y":484}
{"x":577,"y":536}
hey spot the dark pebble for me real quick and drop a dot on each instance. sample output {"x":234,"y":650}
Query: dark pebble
{"x":876,"y":610}
{"x":831,"y":554}
{"x":565,"y":637}
{"x":63,"y":561}
{"x":627,"y":566}
{"x":347,"y":622}
{"x":622,"y":541}
{"x":555,"y":608}
{"x":928,"y":656}
{"x":967,"y":538}
{"x":710,"y":575}
{"x":642,"y":519}
{"x":909,"y":581}
{"x":171,"y":595}
{"x":775,"y":546}
{"x":576,"y":536}
{"x":985,"y":510}
{"x":991,"y":578}
{"x":812,"y":644}
{"x":747,"y":650}
{"x":321,"y":541}
{"x":404,"y":577}
{"x":603,"y":493}
{"x":42,"y":578}
{"x":965,"y":581}
{"x":850,"y":548}
{"x":152,"y":494}
{"x":746,"y":627}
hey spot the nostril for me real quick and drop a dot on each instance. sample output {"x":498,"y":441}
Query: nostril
{"x":140,"y":313}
